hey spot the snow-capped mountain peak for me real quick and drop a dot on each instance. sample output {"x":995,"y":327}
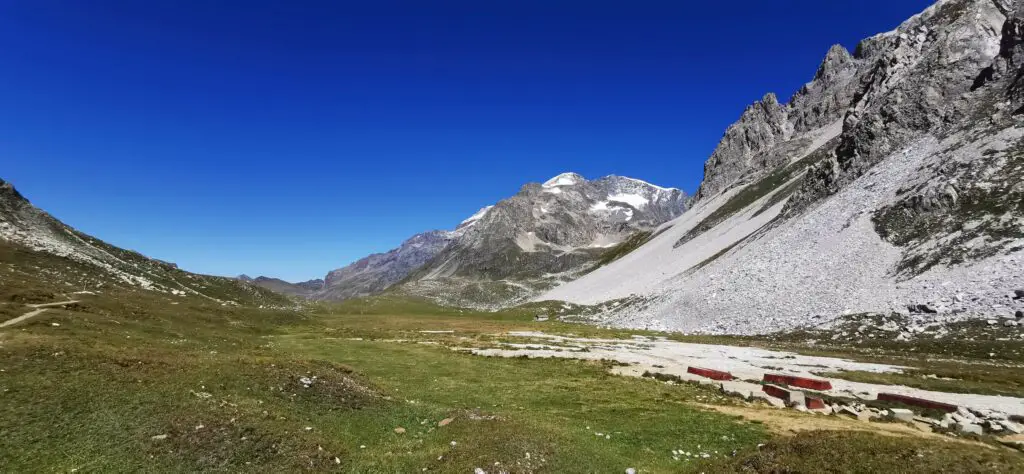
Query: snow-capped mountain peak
{"x":475,"y":217}
{"x":564,"y":179}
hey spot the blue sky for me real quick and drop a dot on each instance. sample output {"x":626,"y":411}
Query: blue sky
{"x":288,"y":138}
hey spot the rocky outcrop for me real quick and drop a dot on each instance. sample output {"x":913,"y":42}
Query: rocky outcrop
{"x":912,"y":81}
{"x":761,"y":127}
{"x":768,"y":133}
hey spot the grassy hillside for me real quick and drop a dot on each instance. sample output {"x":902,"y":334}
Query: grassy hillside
{"x":131,"y":380}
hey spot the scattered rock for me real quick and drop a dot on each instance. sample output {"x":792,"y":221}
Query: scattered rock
{"x":922,"y":309}
{"x":400,"y":430}
{"x":847,"y":411}
{"x":1012,"y":427}
{"x":968,"y":428}
{"x":445,"y":421}
{"x":630,"y":471}
{"x":160,"y":437}
{"x":902,"y":414}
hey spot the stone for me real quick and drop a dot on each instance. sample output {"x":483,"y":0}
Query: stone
{"x":445,"y":421}
{"x":970,"y":428}
{"x":738,"y":389}
{"x":775,"y":402}
{"x":1010,"y":323}
{"x":1015,"y":428}
{"x":160,"y":437}
{"x":1019,"y":314}
{"x":1019,"y":294}
{"x":400,"y":430}
{"x":849,"y":412}
{"x":630,"y":471}
{"x":902,"y":414}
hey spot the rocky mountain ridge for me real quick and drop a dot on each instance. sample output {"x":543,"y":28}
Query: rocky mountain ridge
{"x":543,"y":235}
{"x":890,"y":181}
{"x":92,"y":265}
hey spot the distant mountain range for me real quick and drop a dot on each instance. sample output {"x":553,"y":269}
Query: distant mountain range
{"x":544,"y":235}
{"x":893,"y":181}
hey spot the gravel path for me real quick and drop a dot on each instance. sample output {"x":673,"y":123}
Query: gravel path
{"x":39,"y":309}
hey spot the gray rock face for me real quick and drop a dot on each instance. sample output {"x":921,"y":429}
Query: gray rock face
{"x":909,"y":82}
{"x":911,"y":193}
{"x":750,"y":147}
{"x":510,"y":250}
{"x":378,"y":272}
{"x":556,"y":227}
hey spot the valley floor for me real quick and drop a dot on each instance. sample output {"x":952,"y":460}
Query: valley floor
{"x":141,"y":381}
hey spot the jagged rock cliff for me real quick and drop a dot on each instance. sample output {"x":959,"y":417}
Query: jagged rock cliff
{"x":890,"y":182}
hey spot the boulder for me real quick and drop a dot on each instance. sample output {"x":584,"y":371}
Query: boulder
{"x":1015,"y":428}
{"x":970,"y":428}
{"x":901,"y":414}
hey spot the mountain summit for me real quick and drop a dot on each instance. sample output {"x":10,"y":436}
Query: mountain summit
{"x":544,"y":235}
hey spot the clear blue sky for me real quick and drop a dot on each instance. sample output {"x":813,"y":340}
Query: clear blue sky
{"x":288,"y":138}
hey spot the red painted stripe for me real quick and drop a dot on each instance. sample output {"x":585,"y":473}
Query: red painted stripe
{"x":709,"y":373}
{"x":815,"y":403}
{"x":802,"y":382}
{"x":777,"y":392}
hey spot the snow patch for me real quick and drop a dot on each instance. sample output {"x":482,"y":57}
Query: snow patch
{"x":475,"y":217}
{"x":564,"y":179}
{"x":634,"y":200}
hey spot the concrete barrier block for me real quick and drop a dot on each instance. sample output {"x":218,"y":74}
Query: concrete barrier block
{"x":709,"y":373}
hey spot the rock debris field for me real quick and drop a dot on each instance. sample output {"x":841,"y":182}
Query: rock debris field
{"x":663,"y":356}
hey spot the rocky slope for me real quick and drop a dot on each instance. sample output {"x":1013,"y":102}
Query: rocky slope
{"x":890,"y":182}
{"x":93,"y":265}
{"x":545,"y":234}
{"x":378,"y":272}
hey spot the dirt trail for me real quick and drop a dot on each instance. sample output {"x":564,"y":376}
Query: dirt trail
{"x":39,"y":309}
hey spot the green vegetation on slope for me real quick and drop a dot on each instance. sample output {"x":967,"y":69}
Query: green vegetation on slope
{"x":129,"y":380}
{"x":831,"y":451}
